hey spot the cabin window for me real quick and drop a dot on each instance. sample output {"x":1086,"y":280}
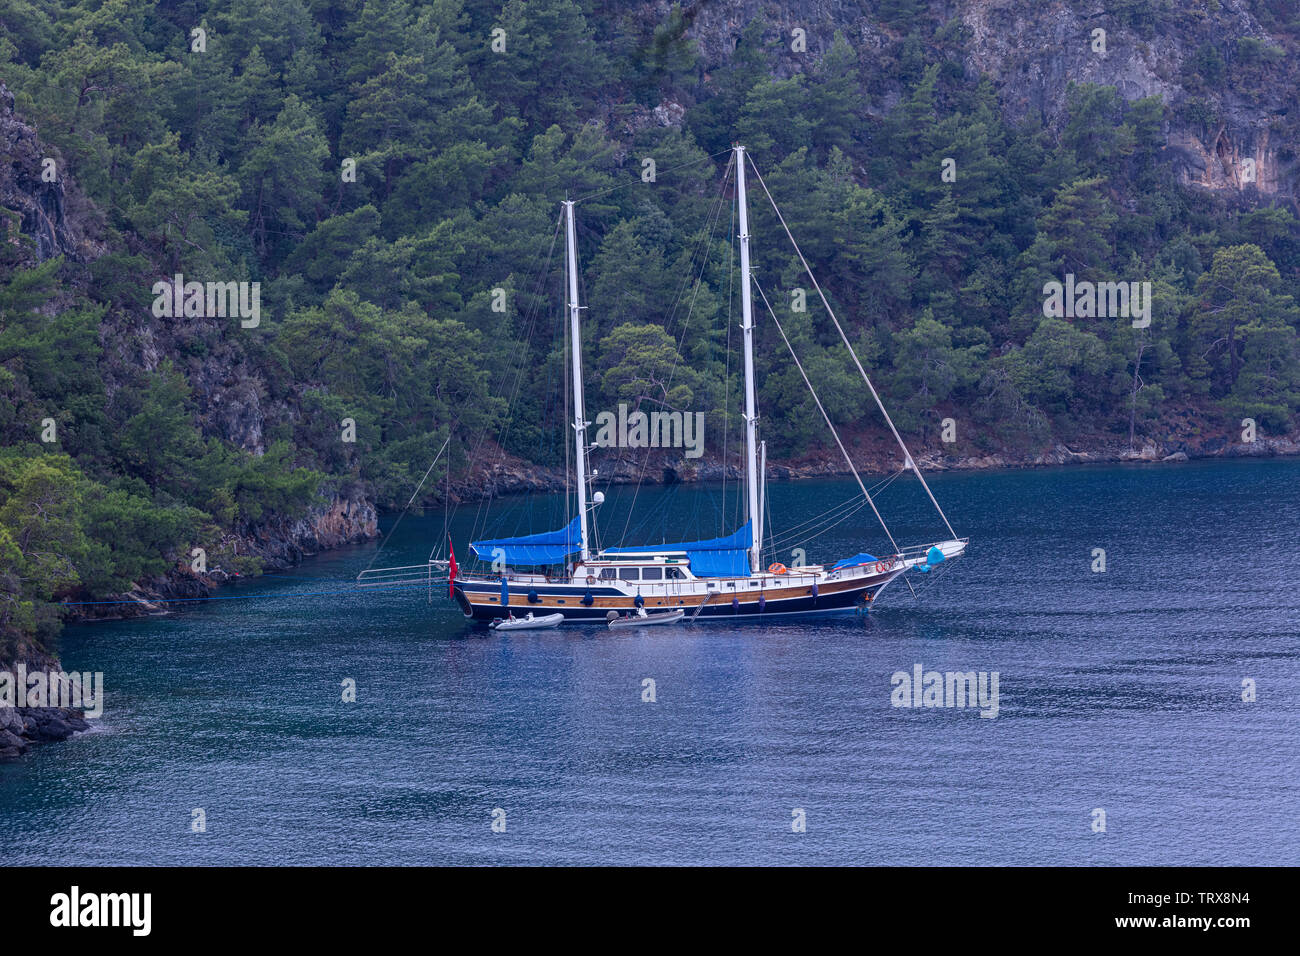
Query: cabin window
{"x":607,"y":574}
{"x":652,"y":574}
{"x":674,"y":574}
{"x":630,"y":574}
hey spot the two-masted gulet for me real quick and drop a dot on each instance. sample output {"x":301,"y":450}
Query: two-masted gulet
{"x":712,"y":580}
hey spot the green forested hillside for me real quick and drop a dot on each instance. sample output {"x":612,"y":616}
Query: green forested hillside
{"x":412,"y":297}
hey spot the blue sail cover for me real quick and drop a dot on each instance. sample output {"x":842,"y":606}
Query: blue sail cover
{"x":717,"y":557}
{"x":549,"y":547}
{"x":860,"y":558}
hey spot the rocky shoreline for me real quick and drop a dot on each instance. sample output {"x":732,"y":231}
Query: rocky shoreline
{"x":278,"y":545}
{"x":350,"y":519}
{"x":21,"y":727}
{"x":505,"y":475}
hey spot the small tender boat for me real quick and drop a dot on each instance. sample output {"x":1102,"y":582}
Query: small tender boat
{"x":528,"y":622}
{"x":642,"y":619}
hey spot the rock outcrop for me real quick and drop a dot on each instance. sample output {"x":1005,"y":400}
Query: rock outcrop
{"x":21,"y":727}
{"x":47,"y":216}
{"x":1230,"y":87}
{"x":51,"y":217}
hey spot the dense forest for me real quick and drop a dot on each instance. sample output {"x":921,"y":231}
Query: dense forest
{"x":390,"y":172}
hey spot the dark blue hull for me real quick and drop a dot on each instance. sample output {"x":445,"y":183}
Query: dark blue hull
{"x":840,"y":601}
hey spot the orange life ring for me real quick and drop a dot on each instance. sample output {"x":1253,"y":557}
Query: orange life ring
{"x":882,"y":567}
{"x":591,"y":579}
{"x":777,"y":568}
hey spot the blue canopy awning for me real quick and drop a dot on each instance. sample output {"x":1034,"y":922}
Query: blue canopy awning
{"x":549,"y":547}
{"x":726,"y":557}
{"x":860,"y":558}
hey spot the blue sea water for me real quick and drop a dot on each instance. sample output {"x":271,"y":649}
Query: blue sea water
{"x":1118,"y":691}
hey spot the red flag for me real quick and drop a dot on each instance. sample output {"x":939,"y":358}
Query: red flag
{"x":451,"y":581}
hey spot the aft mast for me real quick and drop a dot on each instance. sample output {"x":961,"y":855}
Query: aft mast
{"x":579,"y":413}
{"x":751,"y":411}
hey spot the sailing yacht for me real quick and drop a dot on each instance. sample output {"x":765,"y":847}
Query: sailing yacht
{"x":717,"y":579}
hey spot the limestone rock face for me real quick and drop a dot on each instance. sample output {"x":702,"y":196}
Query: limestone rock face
{"x":32,"y":187}
{"x":1032,"y":50}
{"x":346,"y":520}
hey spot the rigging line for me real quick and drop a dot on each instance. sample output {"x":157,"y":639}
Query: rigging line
{"x":781,"y":545}
{"x":855,"y":501}
{"x":530,"y":320}
{"x":771,"y":538}
{"x":593,"y":526}
{"x":450,"y":431}
{"x":656,"y":513}
{"x":656,"y":516}
{"x":822,"y":529}
{"x":829,"y":424}
{"x":848,"y":503}
{"x":814,"y":526}
{"x":931,"y":578}
{"x":569,"y":463}
{"x":804,"y":529}
{"x":701,"y":247}
{"x":484,"y":502}
{"x":833,"y":516}
{"x":380,"y":550}
{"x":907,"y":456}
{"x":446,"y":502}
{"x":726,"y":381}
{"x":640,"y":182}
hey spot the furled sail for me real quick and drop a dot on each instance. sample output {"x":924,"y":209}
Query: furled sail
{"x":716,"y":557}
{"x":860,"y":558}
{"x":549,"y":547}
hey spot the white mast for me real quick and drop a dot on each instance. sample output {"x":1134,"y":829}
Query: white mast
{"x":751,"y":411}
{"x":907,"y":455}
{"x":762,"y":496}
{"x":579,"y":414}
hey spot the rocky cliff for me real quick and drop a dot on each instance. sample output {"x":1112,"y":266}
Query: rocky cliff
{"x":50,"y":217}
{"x":57,"y":221}
{"x":1231,"y":85}
{"x":1227,"y":72}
